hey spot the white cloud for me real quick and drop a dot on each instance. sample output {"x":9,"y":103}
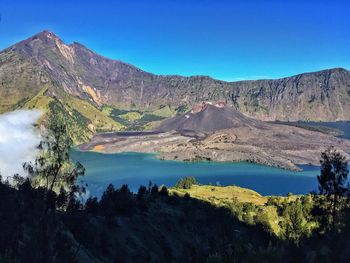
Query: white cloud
{"x":18,"y":140}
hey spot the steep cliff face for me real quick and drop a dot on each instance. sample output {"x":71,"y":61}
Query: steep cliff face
{"x":323,"y":95}
{"x":44,"y":60}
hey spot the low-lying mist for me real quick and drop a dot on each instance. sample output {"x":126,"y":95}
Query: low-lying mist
{"x":18,"y":140}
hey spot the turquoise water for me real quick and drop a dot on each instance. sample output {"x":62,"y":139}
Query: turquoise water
{"x":135,"y":169}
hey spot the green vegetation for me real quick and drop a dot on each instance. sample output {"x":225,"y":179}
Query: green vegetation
{"x":164,"y":111}
{"x":182,"y":109}
{"x":297,"y":222}
{"x":133,"y":120}
{"x":131,"y":116}
{"x":39,"y":101}
{"x":77,"y":124}
{"x":185,"y":183}
{"x":82,"y":118}
{"x":247,"y":205}
{"x":53,"y":169}
{"x":99,"y":121}
{"x":219,"y":195}
{"x":333,"y":188}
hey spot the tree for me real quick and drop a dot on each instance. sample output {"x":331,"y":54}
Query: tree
{"x":62,"y":199}
{"x":154,"y":190}
{"x":107,"y":204}
{"x":164,"y":191}
{"x":52,"y":172}
{"x":294,"y":224}
{"x":53,"y":168}
{"x":91,"y":205}
{"x":186,"y":183}
{"x":332,"y":183}
{"x":141,"y":198}
{"x":141,"y":192}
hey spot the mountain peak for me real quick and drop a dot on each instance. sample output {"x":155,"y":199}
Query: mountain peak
{"x":207,"y":104}
{"x":46,"y":34}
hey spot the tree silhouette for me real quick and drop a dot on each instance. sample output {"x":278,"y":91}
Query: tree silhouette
{"x":332,"y":182}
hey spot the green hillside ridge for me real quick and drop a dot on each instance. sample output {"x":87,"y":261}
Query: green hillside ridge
{"x":82,"y":117}
{"x":247,"y":205}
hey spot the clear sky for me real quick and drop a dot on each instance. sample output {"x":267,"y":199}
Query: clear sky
{"x":229,"y":40}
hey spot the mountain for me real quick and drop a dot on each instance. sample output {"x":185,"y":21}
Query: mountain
{"x":90,"y":87}
{"x":208,"y":118}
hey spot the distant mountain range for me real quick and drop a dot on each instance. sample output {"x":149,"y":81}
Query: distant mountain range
{"x":43,"y":68}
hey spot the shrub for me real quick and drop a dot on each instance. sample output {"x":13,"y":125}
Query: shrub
{"x":141,"y":192}
{"x":187,"y":196}
{"x":164,"y":191}
{"x":186,"y":183}
{"x":154,"y":190}
{"x":91,"y":205}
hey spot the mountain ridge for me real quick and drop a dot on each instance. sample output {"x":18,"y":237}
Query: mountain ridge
{"x":75,"y":43}
{"x":44,"y":60}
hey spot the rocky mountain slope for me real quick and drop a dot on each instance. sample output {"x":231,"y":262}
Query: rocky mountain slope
{"x":44,"y":61}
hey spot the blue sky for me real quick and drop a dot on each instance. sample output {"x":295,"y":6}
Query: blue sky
{"x":229,"y":40}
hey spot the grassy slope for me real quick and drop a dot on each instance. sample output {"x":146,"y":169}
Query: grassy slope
{"x":98,"y":118}
{"x":131,"y":116}
{"x":218,"y":195}
{"x":19,"y":81}
{"x":165,"y":111}
{"x":134,"y":119}
{"x":232,"y":196}
{"x":39,"y":101}
{"x":83,"y":118}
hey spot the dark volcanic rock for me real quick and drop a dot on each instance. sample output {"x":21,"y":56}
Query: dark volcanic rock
{"x":209,"y":119}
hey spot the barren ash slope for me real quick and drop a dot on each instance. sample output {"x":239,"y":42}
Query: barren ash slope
{"x":216,"y":132}
{"x":209,"y":117}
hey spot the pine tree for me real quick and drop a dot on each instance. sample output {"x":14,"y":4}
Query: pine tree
{"x":332,"y":183}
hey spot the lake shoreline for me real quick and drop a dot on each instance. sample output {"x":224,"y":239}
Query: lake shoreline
{"x":224,"y":146}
